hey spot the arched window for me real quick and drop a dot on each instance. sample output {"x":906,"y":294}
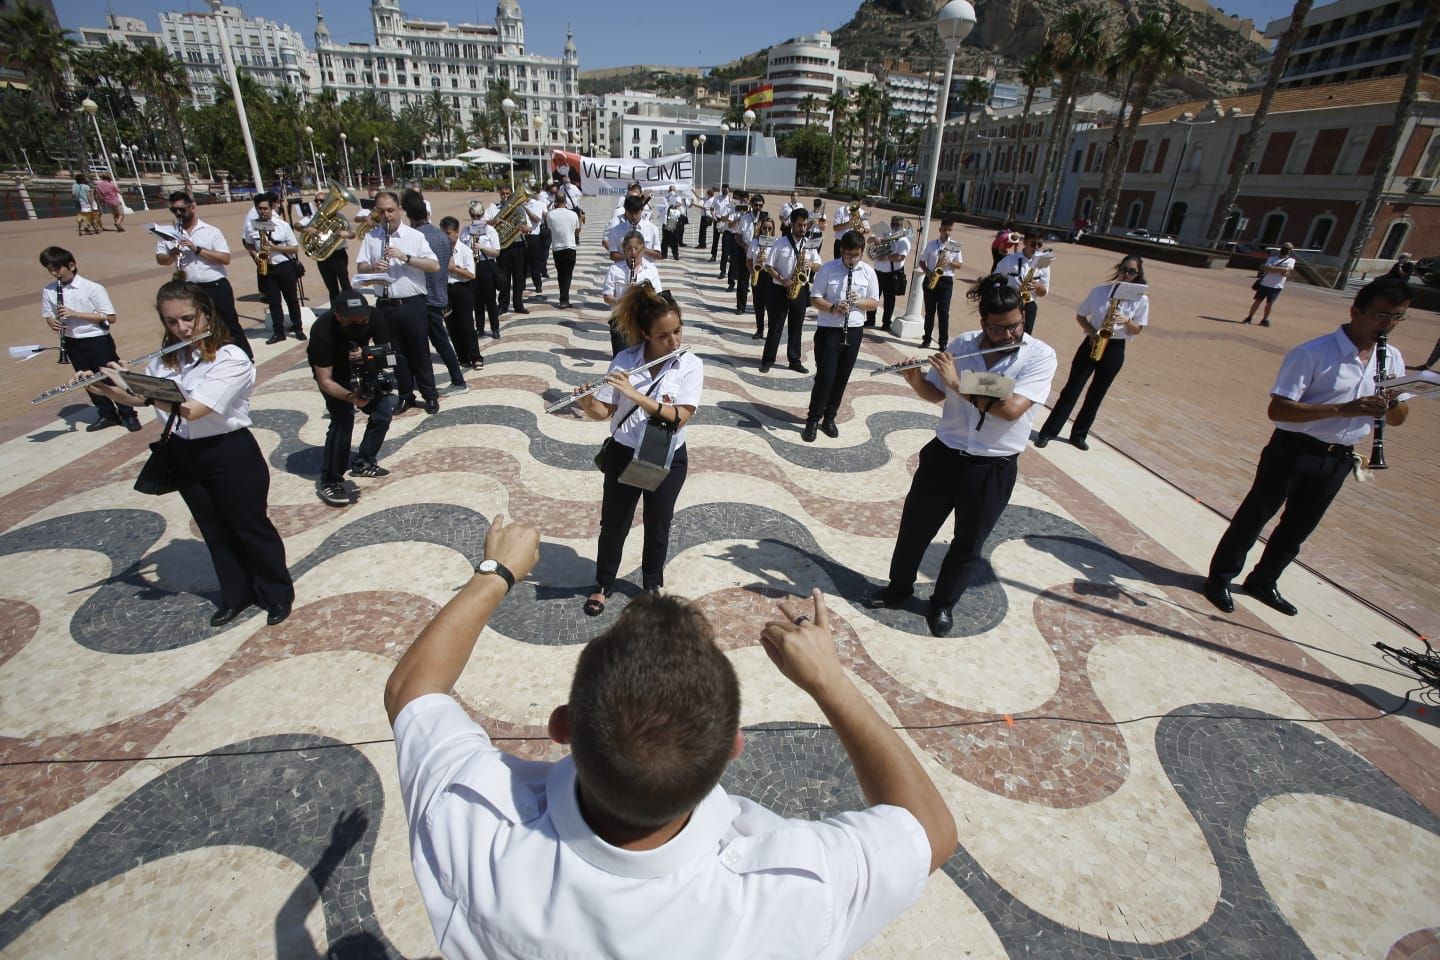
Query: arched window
{"x":1177,"y":218}
{"x":1395,"y":238}
{"x":1320,"y":229}
{"x":1137,"y":210}
{"x":1087,"y":207}
{"x":1271,"y":228}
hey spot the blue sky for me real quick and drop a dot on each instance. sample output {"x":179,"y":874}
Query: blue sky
{"x":688,"y":33}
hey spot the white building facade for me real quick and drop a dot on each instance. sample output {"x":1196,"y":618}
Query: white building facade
{"x":1351,"y":40}
{"x":800,"y":67}
{"x":272,"y":54}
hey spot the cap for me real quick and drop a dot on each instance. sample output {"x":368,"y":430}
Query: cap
{"x":352,"y":302}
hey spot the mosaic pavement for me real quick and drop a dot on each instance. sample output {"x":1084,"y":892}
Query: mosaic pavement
{"x":1132,"y":775}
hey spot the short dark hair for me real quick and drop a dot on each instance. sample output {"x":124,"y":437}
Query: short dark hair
{"x":634,"y":204}
{"x":852,"y":240}
{"x":1034,"y":235}
{"x":654,"y":708}
{"x":413,"y":203}
{"x":947,"y":221}
{"x":800,"y":214}
{"x":52,"y":257}
{"x":181,"y":195}
{"x":1390,"y":289}
{"x":449,"y":223}
{"x":992,"y":295}
{"x":756,"y":196}
{"x":724,"y":186}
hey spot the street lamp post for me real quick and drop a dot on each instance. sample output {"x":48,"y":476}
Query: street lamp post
{"x":538,"y":122}
{"x":379,"y":167}
{"x":314,"y":159}
{"x":321,"y":160}
{"x":90,"y":107}
{"x":954,"y":23}
{"x":1188,"y":121}
{"x":749,"y":118}
{"x":216,"y":5}
{"x":724,"y":135}
{"x":700,"y":154}
{"x":345,"y":145}
{"x":507,"y":106}
{"x":128,"y":150}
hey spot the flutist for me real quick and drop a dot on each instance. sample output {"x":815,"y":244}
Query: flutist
{"x":79,"y":312}
{"x":1323,"y":403}
{"x":842,"y":292}
{"x":199,"y":250}
{"x":789,"y":296}
{"x":272,"y":243}
{"x":1101,"y":317}
{"x":969,"y":469}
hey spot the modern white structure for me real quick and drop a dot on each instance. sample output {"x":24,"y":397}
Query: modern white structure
{"x":412,"y":59}
{"x":660,"y":129}
{"x":132,"y":33}
{"x":270,"y":53}
{"x":800,"y":67}
{"x":912,"y":95}
{"x":1351,"y":40}
{"x":610,"y":107}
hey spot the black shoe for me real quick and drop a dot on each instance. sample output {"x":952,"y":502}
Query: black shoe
{"x":432,"y":407}
{"x":941,"y":346}
{"x":799,"y":367}
{"x":764,"y":368}
{"x":494,"y":334}
{"x":104,"y":423}
{"x":299,"y":334}
{"x":939,"y":619}
{"x":827,"y":427}
{"x":1041,"y":440}
{"x":869,"y":323}
{"x":925,"y":344}
{"x":405,"y":404}
{"x":740,"y":310}
{"x":132,"y":423}
{"x":224,"y":615}
{"x":1079,"y":442}
{"x":808,"y":434}
{"x":887,"y":597}
{"x":279,"y":339}
{"x":1218,"y":593}
{"x":564,"y":304}
{"x":758,"y":335}
{"x":1264,"y":323}
{"x":521,"y":310}
{"x":1267,"y":594}
{"x":278,"y":614}
{"x":731,"y":289}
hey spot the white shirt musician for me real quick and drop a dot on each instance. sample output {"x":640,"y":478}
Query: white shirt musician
{"x":930,"y":259}
{"x":202,"y":255}
{"x":535,"y":209}
{"x":462,"y":262}
{"x":222,"y":384}
{"x":1033,"y":367}
{"x":780,"y":262}
{"x":489,"y":240}
{"x":837,"y":283}
{"x":619,"y":277}
{"x":650,"y":233}
{"x":81,"y":297}
{"x":839,"y":222}
{"x":397,"y":254}
{"x":280,"y":235}
{"x":1020,"y":265}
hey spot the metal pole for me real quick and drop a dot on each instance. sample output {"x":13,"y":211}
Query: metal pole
{"x":379,"y":166}
{"x":139,"y":184}
{"x":314,"y":160}
{"x":510,"y":147}
{"x":723,"y":137}
{"x":239,"y":99}
{"x":745,"y":174}
{"x":104,"y":154}
{"x":912,"y":322}
{"x":349,"y":177}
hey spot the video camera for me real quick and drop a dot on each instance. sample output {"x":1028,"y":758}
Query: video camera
{"x":372,"y":374}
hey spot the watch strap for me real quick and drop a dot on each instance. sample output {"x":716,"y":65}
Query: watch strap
{"x":501,"y":571}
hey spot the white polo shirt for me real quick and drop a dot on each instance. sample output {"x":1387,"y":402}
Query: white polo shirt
{"x":535,"y":209}
{"x":489,"y":239}
{"x":1277,"y":280}
{"x":830,"y":284}
{"x":405,"y":280}
{"x":206,"y":237}
{"x":900,"y":248}
{"x":783,"y":255}
{"x":1097,"y":301}
{"x":1033,"y":367}
{"x":616,"y":234}
{"x":1328,"y":370}
{"x":280,"y":236}
{"x":745,"y":228}
{"x":83,"y":296}
{"x":508,"y":868}
{"x":681,"y":380}
{"x":222,"y":384}
{"x":1016,"y":267}
{"x":461,"y":257}
{"x":931,"y":257}
{"x":617,"y":278}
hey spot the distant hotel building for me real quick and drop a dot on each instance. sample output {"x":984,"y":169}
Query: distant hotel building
{"x":271,"y":54}
{"x":1351,"y":40}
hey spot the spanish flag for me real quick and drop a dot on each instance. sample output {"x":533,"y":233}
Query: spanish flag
{"x":760,"y":97}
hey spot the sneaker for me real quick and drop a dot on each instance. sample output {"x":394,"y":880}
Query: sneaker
{"x":335,"y":495}
{"x":364,"y":468}
{"x":454,"y":389}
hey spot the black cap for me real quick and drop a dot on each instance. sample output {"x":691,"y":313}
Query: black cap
{"x":353,"y":302}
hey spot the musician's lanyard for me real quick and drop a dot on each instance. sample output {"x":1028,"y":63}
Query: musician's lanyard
{"x":795,"y":247}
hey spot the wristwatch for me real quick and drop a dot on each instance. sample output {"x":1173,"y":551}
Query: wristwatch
{"x":499,"y":569}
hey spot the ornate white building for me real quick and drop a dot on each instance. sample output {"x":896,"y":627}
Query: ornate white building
{"x":272,"y":54}
{"x":411,"y":59}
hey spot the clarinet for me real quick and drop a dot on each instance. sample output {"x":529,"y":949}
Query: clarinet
{"x":59,"y":303}
{"x":1377,"y":449}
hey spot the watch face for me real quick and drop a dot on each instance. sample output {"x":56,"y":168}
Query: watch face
{"x":487,"y":566}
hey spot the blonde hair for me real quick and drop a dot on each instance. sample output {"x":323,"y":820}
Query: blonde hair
{"x":639,"y":309}
{"x":217,"y":333}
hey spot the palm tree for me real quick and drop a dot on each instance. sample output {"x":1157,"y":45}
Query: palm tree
{"x":440,"y":117}
{"x":44,"y":52}
{"x":867,"y":107}
{"x":838,"y":104}
{"x":1038,"y":68}
{"x":1161,"y":47}
{"x":290,"y":112}
{"x":1251,"y":140}
{"x":975,"y":92}
{"x":1365,"y":223}
{"x":1081,"y":42}
{"x":808,"y":105}
{"x":1124,"y":63}
{"x":162,"y":79}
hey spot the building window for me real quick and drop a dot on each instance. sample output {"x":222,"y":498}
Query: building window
{"x":1271,"y":228}
{"x":1320,"y":229}
{"x":1087,"y":207}
{"x":1132,"y":218}
{"x":1395,"y":238}
{"x":1177,"y":218}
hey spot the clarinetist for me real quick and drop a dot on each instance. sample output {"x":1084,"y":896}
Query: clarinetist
{"x":631,"y":269}
{"x":1323,"y":403}
{"x":842,"y":292}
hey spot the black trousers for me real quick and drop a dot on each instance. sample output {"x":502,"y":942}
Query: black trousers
{"x":785,"y":315}
{"x":717,"y":232}
{"x":335,"y":272}
{"x":890,"y":281}
{"x":225,"y":482}
{"x":1294,"y":471}
{"x":937,"y":301}
{"x":223,"y":296}
{"x":705,"y":223}
{"x":1032,"y":310}
{"x":977,"y":489}
{"x":439,"y":338}
{"x":835,"y":353}
{"x":727,"y":254}
{"x":283,"y":281}
{"x":342,"y":428}
{"x":487,"y":286}
{"x":739,"y":277}
{"x":1081,"y":369}
{"x":535,"y":245}
{"x":564,"y":271}
{"x":670,"y":241}
{"x":92,"y":353}
{"x":680,"y":227}
{"x":512,"y":275}
{"x":409,"y":327}
{"x":544,"y":257}
{"x":761,"y":297}
{"x":461,"y":322}
{"x":617,"y":513}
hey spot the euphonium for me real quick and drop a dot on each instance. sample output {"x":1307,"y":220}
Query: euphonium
{"x":508,"y":224}
{"x":1106,"y":331}
{"x":325,"y":231}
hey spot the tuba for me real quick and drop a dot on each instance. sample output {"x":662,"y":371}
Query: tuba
{"x":879,"y":247}
{"x":511,"y":217}
{"x":325,"y":231}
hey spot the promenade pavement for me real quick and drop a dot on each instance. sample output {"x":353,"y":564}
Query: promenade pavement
{"x":1132,"y":774}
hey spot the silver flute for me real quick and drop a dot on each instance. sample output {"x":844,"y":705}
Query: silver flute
{"x":914,"y":362}
{"x":93,"y":378}
{"x":590,"y":389}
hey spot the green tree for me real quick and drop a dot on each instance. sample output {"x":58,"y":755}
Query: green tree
{"x":411,"y":127}
{"x":811,"y":147}
{"x":838,"y":105}
{"x":440,"y":117}
{"x":44,"y":51}
{"x":1038,"y":68}
{"x":1082,"y":43}
{"x":869,"y":104}
{"x":162,"y":79}
{"x":809,"y":104}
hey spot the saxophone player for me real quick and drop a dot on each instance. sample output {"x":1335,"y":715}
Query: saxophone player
{"x":937,"y":298}
{"x":1127,"y":318}
{"x":760,"y":281}
{"x":788,"y":254}
{"x":274,"y":247}
{"x":1032,"y":280}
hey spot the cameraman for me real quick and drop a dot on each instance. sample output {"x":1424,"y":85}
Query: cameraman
{"x":337,"y":342}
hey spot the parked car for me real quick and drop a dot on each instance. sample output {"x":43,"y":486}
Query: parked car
{"x":1143,"y":234}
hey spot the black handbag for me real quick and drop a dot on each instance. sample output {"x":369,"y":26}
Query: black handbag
{"x":605,"y":446}
{"x":899,"y":282}
{"x":157,"y":476}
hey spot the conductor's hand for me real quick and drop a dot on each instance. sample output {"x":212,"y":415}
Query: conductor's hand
{"x":804,"y":650}
{"x":516,"y":545}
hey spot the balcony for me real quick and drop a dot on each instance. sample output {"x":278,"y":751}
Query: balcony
{"x":1362,"y":30}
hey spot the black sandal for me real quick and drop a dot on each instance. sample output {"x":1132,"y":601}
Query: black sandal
{"x":593,"y":607}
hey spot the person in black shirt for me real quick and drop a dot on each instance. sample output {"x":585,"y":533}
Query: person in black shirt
{"x":337,"y":340}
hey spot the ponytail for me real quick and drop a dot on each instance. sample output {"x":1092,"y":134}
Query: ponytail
{"x":993,"y":295}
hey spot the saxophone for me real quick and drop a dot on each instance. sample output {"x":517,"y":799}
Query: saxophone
{"x":262,"y":248}
{"x":798,"y":279}
{"x":1027,"y":285}
{"x":941,"y":262}
{"x":760,"y":252}
{"x":1107,"y":329}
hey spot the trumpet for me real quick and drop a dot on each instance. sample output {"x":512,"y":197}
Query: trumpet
{"x":914,"y":362}
{"x":590,"y":389}
{"x":79,"y":382}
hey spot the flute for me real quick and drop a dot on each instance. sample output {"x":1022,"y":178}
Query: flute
{"x":591,"y":389}
{"x":920,"y":361}
{"x":86,"y":381}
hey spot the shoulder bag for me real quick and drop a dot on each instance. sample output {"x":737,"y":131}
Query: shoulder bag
{"x":157,"y":476}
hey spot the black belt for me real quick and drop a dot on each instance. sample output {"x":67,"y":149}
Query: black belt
{"x":210,"y":283}
{"x":417,"y":296}
{"x":1314,"y":444}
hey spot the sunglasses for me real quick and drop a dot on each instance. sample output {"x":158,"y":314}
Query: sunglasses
{"x":1129,"y":270}
{"x":179,"y":211}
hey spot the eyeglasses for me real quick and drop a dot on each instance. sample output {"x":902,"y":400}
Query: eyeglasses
{"x":1387,"y":317}
{"x":1007,"y":329}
